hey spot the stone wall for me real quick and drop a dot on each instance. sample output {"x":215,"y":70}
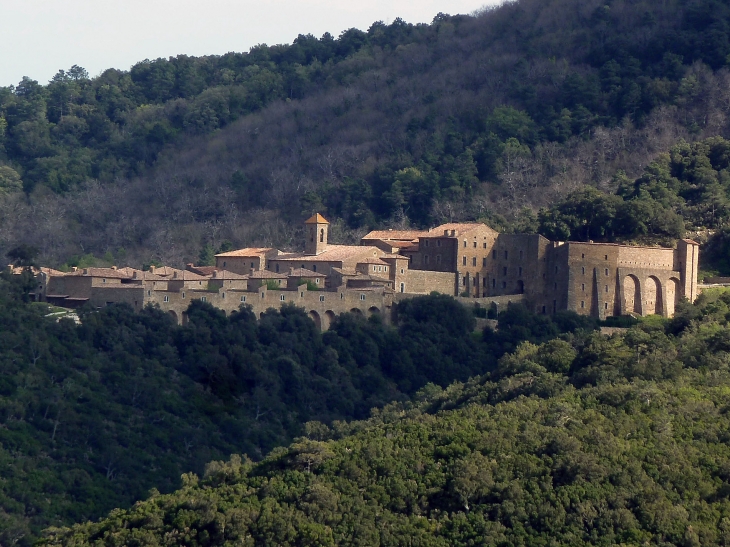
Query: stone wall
{"x":425,"y":282}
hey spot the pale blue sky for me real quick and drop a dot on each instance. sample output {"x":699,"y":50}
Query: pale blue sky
{"x":39,"y":37}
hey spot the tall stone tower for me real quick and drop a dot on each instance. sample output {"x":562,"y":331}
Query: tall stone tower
{"x":315,"y":229}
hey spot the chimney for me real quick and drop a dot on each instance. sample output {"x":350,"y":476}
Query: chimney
{"x":74,"y":268}
{"x":152,"y":268}
{"x":134,"y":275}
{"x":114,"y":268}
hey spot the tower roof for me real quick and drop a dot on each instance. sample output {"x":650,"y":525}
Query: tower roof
{"x":316,"y":219}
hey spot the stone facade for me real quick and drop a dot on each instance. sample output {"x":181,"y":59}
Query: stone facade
{"x":467,"y":260}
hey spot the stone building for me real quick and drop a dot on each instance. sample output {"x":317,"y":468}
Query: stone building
{"x":468,"y":260}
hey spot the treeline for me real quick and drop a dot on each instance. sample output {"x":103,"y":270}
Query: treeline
{"x":583,"y":440}
{"x":94,"y":415}
{"x":478,"y":117}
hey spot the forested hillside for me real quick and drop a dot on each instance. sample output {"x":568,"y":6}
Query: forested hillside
{"x":490,"y":117}
{"x":581,"y":441}
{"x":93,"y":416}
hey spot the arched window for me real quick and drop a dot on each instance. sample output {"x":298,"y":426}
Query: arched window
{"x":321,"y":235}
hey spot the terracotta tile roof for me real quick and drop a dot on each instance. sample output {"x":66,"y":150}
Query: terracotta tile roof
{"x":400,"y":257}
{"x":164,"y":271}
{"x":303,"y":272}
{"x":51,"y":271}
{"x":690,"y":241}
{"x":316,"y":219}
{"x":147,"y":276}
{"x":225,"y":274}
{"x":395,"y":235}
{"x":111,"y":273}
{"x":202,"y":270}
{"x":265,"y":274}
{"x":248,"y":251}
{"x":333,"y":253}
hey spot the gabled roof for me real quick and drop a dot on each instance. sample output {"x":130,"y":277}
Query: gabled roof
{"x":111,"y":273}
{"x":247,"y":252}
{"x":316,"y":219}
{"x":147,"y":276}
{"x":332,"y":253}
{"x":184,"y":275}
{"x":395,"y":235}
{"x":202,"y":270}
{"x":460,"y":227}
{"x":372,"y":261}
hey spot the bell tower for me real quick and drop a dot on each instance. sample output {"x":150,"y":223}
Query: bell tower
{"x":315,"y":230}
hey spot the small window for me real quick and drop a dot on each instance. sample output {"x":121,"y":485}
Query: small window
{"x":485,"y":244}
{"x":314,"y":267}
{"x":438,"y":243}
{"x":317,"y":280}
{"x":583,"y":287}
{"x":362,"y":297}
{"x":301,"y":294}
{"x":342,"y":295}
{"x":243,"y":299}
{"x":606,"y":288}
{"x":504,"y":284}
{"x":605,"y":305}
{"x":203,"y":299}
{"x":385,"y":268}
{"x":582,"y":304}
{"x":494,"y":255}
{"x":263,"y":295}
{"x":583,"y":255}
{"x":103,"y":280}
{"x":606,"y":257}
{"x":402,"y":271}
{"x":465,"y":243}
{"x":494,"y":283}
{"x":438,"y":259}
{"x":463,"y":260}
{"x":321,"y":298}
{"x":474,"y":261}
{"x":556,"y":269}
{"x":426,"y":242}
{"x":606,"y":271}
{"x":484,"y":262}
{"x":277,"y":268}
{"x":282,"y":298}
{"x":149,"y":293}
{"x":183,"y":295}
{"x":475,"y":244}
{"x":252,"y":265}
{"x":223,"y":295}
{"x":504,"y":270}
{"x":402,"y":287}
{"x":583,"y":271}
{"x":200,"y":282}
{"x":224,"y":263}
{"x":166,"y":299}
{"x":506,"y":254}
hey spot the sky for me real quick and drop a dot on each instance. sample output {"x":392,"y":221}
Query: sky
{"x":39,"y":37}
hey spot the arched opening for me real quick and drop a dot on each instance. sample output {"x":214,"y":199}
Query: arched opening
{"x":172,"y":314}
{"x":261,"y":315}
{"x":673,"y":295}
{"x":321,"y":235}
{"x":315,"y":317}
{"x":373,"y":310}
{"x":632,"y":295}
{"x":520,"y":287}
{"x":652,"y":302}
{"x":356,"y":311}
{"x":329,"y":317}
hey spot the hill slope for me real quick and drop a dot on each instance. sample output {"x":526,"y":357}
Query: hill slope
{"x":617,"y":441}
{"x":469,"y":117}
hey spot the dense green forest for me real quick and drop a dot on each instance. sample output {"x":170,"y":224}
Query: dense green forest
{"x":583,"y":440}
{"x":497,"y":116}
{"x":93,"y":416}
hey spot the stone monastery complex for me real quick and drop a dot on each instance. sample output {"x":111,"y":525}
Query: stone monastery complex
{"x":466,"y":260}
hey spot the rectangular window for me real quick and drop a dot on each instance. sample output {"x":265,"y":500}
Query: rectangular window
{"x":475,"y":244}
{"x":484,"y":262}
{"x":465,"y":243}
{"x":203,"y":299}
{"x":582,"y":304}
{"x":362,"y":297}
{"x":494,"y":255}
{"x":321,"y":298}
{"x":583,"y":255}
{"x":605,"y":306}
{"x":183,"y":295}
{"x":149,"y":293}
{"x":314,"y":267}
{"x":252,"y":266}
{"x":463,"y":260}
{"x":243,"y":299}
{"x":282,"y":298}
{"x":474,"y":261}
{"x":583,"y":287}
{"x":494,"y":283}
{"x":583,"y":271}
{"x":606,"y":257}
{"x":438,"y":243}
{"x":166,"y":299}
{"x":485,"y":244}
{"x":606,"y":288}
{"x":317,"y":281}
{"x":504,"y":284}
{"x":402,"y":287}
{"x":103,"y":280}
{"x":606,"y":271}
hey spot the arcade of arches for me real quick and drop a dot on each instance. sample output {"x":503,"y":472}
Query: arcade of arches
{"x":649,"y":296}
